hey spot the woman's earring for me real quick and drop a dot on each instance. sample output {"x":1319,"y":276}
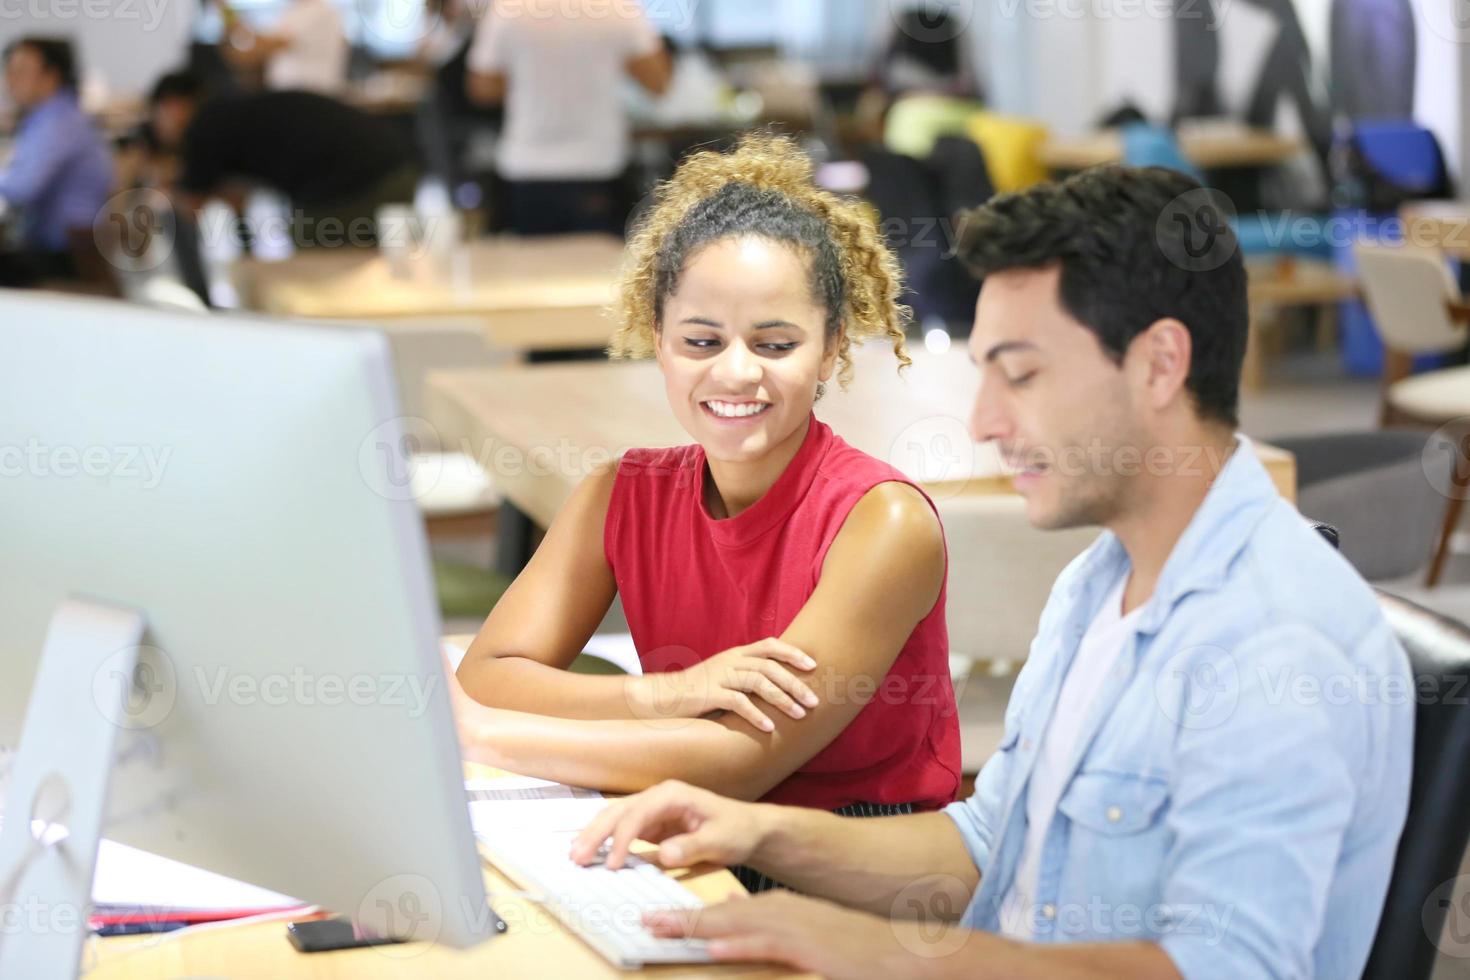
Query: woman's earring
{"x":821,"y":389}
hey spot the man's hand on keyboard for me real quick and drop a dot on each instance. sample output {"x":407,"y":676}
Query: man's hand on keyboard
{"x":690,"y":825}
{"x":817,"y":936}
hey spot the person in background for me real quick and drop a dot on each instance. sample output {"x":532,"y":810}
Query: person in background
{"x":60,"y":173}
{"x":306,"y":48}
{"x":1160,"y":805}
{"x":927,"y":55}
{"x":559,"y":66}
{"x":335,"y":164}
{"x":928,"y":52}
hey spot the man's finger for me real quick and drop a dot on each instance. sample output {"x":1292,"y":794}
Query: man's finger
{"x":637,"y":816}
{"x":701,"y":923}
{"x":589,"y":841}
{"x":683,"y":850}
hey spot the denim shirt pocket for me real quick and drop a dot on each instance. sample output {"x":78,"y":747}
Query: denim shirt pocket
{"x":1115,"y":852}
{"x":1113,"y":804}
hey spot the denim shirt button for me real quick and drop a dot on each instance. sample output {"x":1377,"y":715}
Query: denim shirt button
{"x":1049,"y":911}
{"x":1115,"y":814}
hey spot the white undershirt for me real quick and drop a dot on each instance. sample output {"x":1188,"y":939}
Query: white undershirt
{"x":1096,"y":654}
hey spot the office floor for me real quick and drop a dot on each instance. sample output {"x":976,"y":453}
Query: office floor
{"x":1307,"y":393}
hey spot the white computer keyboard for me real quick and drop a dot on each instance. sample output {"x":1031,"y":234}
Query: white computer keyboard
{"x":605,"y":908}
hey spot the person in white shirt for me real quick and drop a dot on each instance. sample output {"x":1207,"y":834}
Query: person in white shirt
{"x":558,"y":65}
{"x":305,"y":49}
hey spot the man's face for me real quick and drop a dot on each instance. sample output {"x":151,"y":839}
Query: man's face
{"x":1057,"y":404}
{"x":27,"y":79}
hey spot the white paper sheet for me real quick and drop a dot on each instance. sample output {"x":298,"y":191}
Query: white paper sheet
{"x":129,"y":877}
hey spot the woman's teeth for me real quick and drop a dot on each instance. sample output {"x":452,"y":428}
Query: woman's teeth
{"x":727,"y":410}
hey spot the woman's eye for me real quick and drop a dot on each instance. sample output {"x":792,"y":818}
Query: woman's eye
{"x":701,"y":343}
{"x":779,"y":348}
{"x":1022,"y":381}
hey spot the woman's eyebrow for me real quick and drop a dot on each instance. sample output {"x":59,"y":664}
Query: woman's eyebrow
{"x":704,"y":321}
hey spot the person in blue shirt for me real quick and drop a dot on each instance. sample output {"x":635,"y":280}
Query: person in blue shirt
{"x":60,"y":173}
{"x":1206,"y":758}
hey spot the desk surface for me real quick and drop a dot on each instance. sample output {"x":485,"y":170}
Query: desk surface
{"x":1212,"y":147}
{"x":536,"y":945}
{"x":540,"y":430}
{"x":1440,"y":224}
{"x":531,"y":293}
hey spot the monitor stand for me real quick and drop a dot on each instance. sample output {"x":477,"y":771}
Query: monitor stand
{"x":57,"y":797}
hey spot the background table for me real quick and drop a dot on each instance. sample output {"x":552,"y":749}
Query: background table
{"x":529,"y":293}
{"x":1214,"y":146}
{"x":1442,"y":224}
{"x":536,"y":945}
{"x":539,"y":430}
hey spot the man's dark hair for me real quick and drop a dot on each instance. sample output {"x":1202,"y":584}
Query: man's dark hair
{"x":1134,"y":245}
{"x":177,"y":85}
{"x":56,"y":54}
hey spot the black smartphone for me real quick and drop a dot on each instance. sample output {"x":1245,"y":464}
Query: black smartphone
{"x":322,"y":935}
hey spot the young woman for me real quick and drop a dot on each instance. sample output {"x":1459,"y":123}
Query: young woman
{"x":785,"y":591}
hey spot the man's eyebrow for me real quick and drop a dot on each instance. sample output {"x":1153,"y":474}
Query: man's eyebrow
{"x":1006,"y":347}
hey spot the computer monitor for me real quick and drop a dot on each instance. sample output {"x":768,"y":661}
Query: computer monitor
{"x":242,"y":484}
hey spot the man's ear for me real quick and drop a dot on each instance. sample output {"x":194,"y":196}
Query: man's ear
{"x":1158,"y":362}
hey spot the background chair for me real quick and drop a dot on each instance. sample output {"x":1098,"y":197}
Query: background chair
{"x":1438,"y":825}
{"x":914,"y":220}
{"x":1001,"y":571}
{"x":961,"y":175}
{"x":1419,"y":310}
{"x":1373,"y":487}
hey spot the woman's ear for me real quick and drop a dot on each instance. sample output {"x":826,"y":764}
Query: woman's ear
{"x":829,"y":354}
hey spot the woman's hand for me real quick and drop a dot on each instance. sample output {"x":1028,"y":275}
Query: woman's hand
{"x":730,"y":681}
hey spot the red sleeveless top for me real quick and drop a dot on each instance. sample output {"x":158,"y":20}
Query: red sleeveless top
{"x":693,"y":586}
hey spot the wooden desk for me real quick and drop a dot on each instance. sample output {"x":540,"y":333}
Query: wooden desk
{"x":540,"y":430}
{"x":535,"y":945}
{"x":1439,"y":224}
{"x":1272,"y":284}
{"x":1214,"y":146}
{"x":529,"y":293}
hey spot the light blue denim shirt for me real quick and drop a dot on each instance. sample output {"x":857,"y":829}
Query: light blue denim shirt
{"x":1238,"y":788}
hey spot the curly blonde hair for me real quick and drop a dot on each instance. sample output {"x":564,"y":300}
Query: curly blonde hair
{"x":763,"y":188}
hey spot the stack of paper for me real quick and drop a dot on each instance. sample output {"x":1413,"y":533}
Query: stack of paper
{"x":509,"y":809}
{"x":134,"y":891}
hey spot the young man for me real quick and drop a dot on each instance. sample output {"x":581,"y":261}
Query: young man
{"x":60,"y":173}
{"x":1198,"y":775}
